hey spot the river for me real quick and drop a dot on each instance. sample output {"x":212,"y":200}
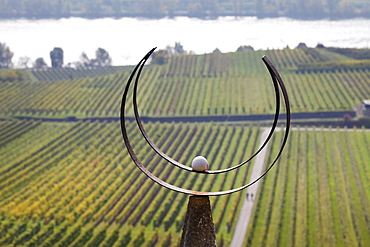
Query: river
{"x":128,"y":39}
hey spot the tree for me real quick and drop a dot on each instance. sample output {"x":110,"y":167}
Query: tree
{"x":216,"y":50}
{"x":179,"y":49}
{"x":245,"y":48}
{"x":40,"y":63}
{"x":160,"y":57}
{"x":102,"y":57}
{"x":302,"y":46}
{"x":84,"y":60}
{"x":56,"y":56}
{"x":5,"y":56}
{"x":24,"y":62}
{"x":12,"y":75}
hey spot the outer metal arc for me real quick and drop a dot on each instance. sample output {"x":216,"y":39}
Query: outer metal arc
{"x":188,"y":168}
{"x":275,"y":76}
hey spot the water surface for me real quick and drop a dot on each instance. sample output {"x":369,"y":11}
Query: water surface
{"x":128,"y":39}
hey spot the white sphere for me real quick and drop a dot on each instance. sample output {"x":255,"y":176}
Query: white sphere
{"x":200,"y":164}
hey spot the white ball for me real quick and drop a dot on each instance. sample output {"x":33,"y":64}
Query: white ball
{"x":200,"y":164}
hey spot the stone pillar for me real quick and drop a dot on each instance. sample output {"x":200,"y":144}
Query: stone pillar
{"x":198,"y":229}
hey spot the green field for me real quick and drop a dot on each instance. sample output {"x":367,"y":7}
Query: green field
{"x":210,"y":84}
{"x":318,"y":195}
{"x":73,"y":183}
{"x":69,"y":176}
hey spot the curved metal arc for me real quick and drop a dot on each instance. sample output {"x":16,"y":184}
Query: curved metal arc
{"x":143,"y":132}
{"x":274,"y":74}
{"x":188,"y":168}
{"x":276,"y":118}
{"x":130,"y":149}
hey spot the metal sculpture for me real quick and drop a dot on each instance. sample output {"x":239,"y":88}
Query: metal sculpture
{"x":278,"y":83}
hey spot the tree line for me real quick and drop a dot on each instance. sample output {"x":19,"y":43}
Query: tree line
{"x":102,"y":58}
{"x":193,"y":8}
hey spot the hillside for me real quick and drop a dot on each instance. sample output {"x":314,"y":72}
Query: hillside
{"x":71,"y":182}
{"x":73,"y":178}
{"x":317,"y":80}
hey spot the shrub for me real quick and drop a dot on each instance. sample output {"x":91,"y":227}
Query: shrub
{"x":12,"y":75}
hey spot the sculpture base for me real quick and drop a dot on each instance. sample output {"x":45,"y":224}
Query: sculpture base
{"x":198,"y":229}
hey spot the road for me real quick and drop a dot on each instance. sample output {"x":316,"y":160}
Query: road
{"x":220,"y":118}
{"x":246,"y":210}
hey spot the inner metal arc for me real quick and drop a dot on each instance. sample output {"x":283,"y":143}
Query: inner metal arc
{"x":143,"y":132}
{"x":188,"y":168}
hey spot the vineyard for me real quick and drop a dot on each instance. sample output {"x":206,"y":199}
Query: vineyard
{"x":72,"y":183}
{"x":58,"y":74}
{"x":318,"y":195}
{"x":210,"y":84}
